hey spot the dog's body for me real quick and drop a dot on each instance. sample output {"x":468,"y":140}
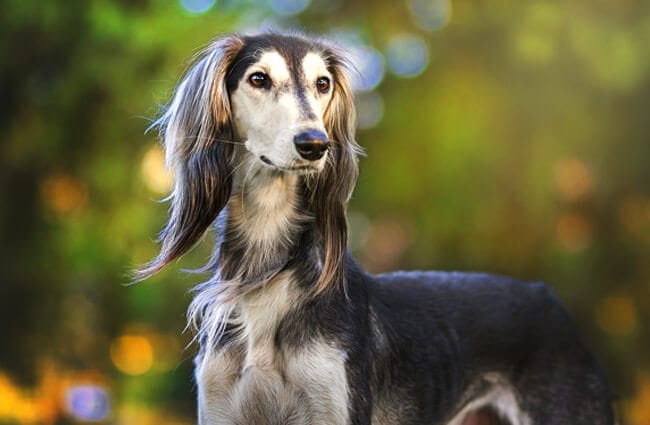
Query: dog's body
{"x":291,"y":330}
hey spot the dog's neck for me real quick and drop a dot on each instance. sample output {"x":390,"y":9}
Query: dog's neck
{"x":262,"y":230}
{"x":265,"y":221}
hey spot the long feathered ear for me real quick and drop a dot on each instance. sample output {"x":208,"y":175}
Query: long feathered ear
{"x":195,"y":130}
{"x":333,"y":187}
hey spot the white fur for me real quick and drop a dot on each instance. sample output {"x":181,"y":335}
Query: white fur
{"x":320,"y":369}
{"x":260,"y":314}
{"x":501,"y":397}
{"x":314,"y":67}
{"x":307,"y":383}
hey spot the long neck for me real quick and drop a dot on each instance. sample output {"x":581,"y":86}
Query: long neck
{"x":266,"y":222}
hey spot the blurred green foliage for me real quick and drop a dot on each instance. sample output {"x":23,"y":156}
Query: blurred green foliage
{"x":522,"y":148}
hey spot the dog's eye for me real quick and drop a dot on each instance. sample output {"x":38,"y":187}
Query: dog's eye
{"x":259,"y":80}
{"x":323,"y":84}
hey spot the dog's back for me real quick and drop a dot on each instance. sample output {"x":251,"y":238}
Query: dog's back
{"x":447,"y":343}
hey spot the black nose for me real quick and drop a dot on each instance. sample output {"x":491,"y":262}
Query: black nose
{"x":311,"y":144}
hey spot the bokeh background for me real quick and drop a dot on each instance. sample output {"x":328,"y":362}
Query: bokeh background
{"x":509,"y":136}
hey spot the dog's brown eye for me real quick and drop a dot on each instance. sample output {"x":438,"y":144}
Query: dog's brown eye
{"x":259,"y":80}
{"x":323,"y":84}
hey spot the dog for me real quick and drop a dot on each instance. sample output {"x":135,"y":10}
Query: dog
{"x":260,"y":134}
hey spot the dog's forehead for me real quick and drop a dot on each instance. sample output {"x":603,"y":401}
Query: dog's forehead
{"x":295,"y":54}
{"x":274,"y":64}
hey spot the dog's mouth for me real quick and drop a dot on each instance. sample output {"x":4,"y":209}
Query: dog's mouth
{"x":293,"y":168}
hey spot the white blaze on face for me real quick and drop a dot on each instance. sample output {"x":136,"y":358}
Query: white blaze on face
{"x":268,"y":119}
{"x":314,"y":67}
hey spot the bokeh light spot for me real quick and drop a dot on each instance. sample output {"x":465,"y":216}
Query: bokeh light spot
{"x":87,"y":402}
{"x":63,"y":194}
{"x":132,"y":354}
{"x":407,"y":56}
{"x":615,"y":59}
{"x":370,"y":109}
{"x":617,"y":315}
{"x":430,"y":15}
{"x":153,"y":171}
{"x":369,"y":64}
{"x":573,"y":178}
{"x":636,"y":409}
{"x":288,"y":7}
{"x":197,"y":7}
{"x":536,"y":39}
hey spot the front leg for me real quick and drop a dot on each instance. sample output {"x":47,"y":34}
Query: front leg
{"x":321,"y":370}
{"x":216,"y":375}
{"x":230,"y":395}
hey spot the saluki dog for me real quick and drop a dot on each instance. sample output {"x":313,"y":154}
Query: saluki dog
{"x":260,"y":136}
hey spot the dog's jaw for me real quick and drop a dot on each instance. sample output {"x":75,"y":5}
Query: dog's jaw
{"x":297,"y":167}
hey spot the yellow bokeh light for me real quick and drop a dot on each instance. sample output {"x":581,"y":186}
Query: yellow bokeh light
{"x":154,"y":174}
{"x":573,"y":178}
{"x":617,"y":315}
{"x":63,"y":194}
{"x":132,"y":354}
{"x":23,"y":405}
{"x":637,"y":410}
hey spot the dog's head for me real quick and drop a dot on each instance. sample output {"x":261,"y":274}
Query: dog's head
{"x":284,"y":102}
{"x":279,"y":91}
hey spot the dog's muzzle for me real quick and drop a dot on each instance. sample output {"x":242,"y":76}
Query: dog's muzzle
{"x":311,"y":144}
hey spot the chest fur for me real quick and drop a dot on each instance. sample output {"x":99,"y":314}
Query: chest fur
{"x":259,"y":380}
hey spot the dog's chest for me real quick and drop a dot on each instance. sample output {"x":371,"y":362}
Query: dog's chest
{"x":262,"y":381}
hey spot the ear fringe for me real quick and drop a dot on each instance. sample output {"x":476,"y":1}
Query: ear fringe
{"x":190,"y":128}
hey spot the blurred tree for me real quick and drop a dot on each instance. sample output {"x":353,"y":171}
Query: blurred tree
{"x":510,"y":137}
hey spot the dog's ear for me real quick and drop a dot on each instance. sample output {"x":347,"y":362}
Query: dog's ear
{"x":196,"y":132}
{"x":334,"y":185}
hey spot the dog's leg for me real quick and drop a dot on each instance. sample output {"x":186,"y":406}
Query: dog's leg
{"x":319,"y":369}
{"x":216,"y":375}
